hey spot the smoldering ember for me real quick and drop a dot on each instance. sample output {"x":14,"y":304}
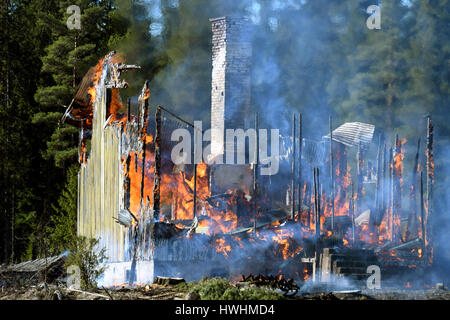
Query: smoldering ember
{"x":341,"y":213}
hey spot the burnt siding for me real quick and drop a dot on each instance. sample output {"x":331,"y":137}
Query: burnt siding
{"x":100,"y":186}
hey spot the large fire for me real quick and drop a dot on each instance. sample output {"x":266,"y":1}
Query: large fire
{"x":219,"y":217}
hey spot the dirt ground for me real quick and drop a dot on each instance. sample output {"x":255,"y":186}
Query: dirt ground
{"x":172,"y":292}
{"x":53,"y":292}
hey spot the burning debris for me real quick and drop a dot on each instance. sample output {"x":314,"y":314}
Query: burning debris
{"x":160,"y":219}
{"x":289,"y":287}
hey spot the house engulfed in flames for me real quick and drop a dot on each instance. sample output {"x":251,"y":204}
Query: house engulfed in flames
{"x":157,"y":218}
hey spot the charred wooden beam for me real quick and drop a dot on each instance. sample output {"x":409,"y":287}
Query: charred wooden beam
{"x":430,"y":177}
{"x":197,"y":151}
{"x":376,"y":217}
{"x":391,"y":193}
{"x":412,"y":218}
{"x":255,"y":175}
{"x":407,"y":245}
{"x":317,"y":216}
{"x":299,"y":167}
{"x":383,"y":184}
{"x":194,"y":197}
{"x":308,"y":194}
{"x":128,"y":110}
{"x":422,"y":209}
{"x":317,"y":200}
{"x":293,"y":184}
{"x":157,"y":181}
{"x":219,"y":196}
{"x":331,"y":173}
{"x":144,"y":115}
{"x":143,"y":106}
{"x":136,"y":161}
{"x":108,"y":106}
{"x":352,"y":213}
{"x":397,"y":205}
{"x":127,"y":184}
{"x":177,"y":117}
{"x":359,"y":172}
{"x":144,"y":146}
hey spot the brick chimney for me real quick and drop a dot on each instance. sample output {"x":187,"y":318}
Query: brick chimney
{"x":230,"y":85}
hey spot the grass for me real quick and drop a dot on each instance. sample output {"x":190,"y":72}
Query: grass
{"x":222,"y":289}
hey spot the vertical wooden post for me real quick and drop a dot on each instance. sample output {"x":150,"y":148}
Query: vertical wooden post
{"x":315,"y":198}
{"x":255,"y":175}
{"x":359,"y":172}
{"x":391,"y":193}
{"x":317,"y":216}
{"x":430,"y":177}
{"x":136,"y":156}
{"x":309,"y":193}
{"x":299,"y":170}
{"x":352,"y":210}
{"x":396,"y":194}
{"x":317,"y":201}
{"x":422,"y":214}
{"x":412,"y":218}
{"x":157,"y":181}
{"x":376,"y":215}
{"x":293,"y":167}
{"x":143,"y":120}
{"x":127,"y":184}
{"x":194,"y":197}
{"x":331,"y":173}
{"x":422,"y":203}
{"x":144,"y":147}
{"x":128,"y":110}
{"x":383,"y":184}
{"x":194,"y":200}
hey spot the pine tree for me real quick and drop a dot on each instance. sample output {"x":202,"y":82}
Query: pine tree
{"x":350,"y":27}
{"x":68,"y":58}
{"x":429,"y":92}
{"x":63,"y":232}
{"x":22,"y":45}
{"x":375,"y":91}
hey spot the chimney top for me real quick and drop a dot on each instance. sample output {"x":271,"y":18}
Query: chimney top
{"x":229,"y":17}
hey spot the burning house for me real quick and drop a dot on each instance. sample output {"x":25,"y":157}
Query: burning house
{"x":318,"y":218}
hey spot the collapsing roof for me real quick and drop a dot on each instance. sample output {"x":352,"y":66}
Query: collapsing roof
{"x":80,"y":111}
{"x":352,"y":134}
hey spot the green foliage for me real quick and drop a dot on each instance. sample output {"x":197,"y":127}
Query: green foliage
{"x":222,"y":289}
{"x":63,"y":233}
{"x":62,"y":146}
{"x":85,"y":254}
{"x":67,"y":59}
